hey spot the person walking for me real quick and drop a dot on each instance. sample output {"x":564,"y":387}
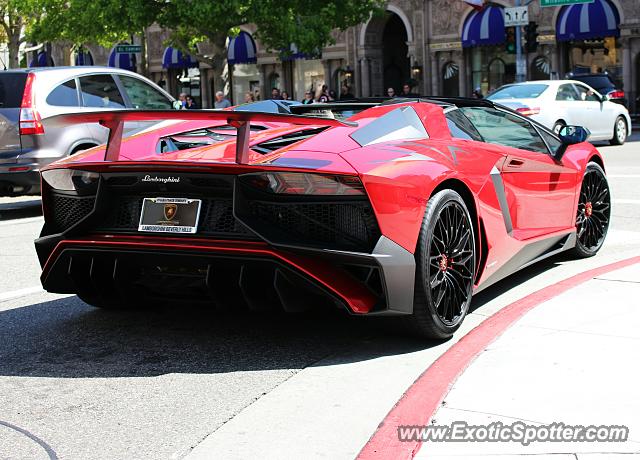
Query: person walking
{"x":248,"y":97}
{"x":191,"y":103}
{"x":183,"y":100}
{"x":406,"y":91}
{"x":308,"y":98}
{"x":391,"y":92}
{"x":477,"y":93}
{"x":275,"y":94}
{"x":323,"y":96}
{"x":285,"y":96}
{"x":221,"y":101}
{"x":345,"y":92}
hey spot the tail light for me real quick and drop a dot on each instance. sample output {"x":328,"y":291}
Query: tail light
{"x":30,"y":121}
{"x":617,"y":94}
{"x":304,"y":184}
{"x":528,"y":111}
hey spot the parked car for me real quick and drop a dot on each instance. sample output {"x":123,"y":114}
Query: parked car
{"x":404,"y":209}
{"x":559,"y":103}
{"x":604,"y":84}
{"x":29,"y":97}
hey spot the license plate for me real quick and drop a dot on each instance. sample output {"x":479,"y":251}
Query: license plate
{"x":169,"y":215}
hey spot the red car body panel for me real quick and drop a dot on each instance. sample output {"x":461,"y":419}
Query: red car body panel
{"x":398,"y":176}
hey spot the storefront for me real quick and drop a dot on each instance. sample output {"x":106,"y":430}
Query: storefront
{"x":308,"y":75}
{"x":183,"y":74}
{"x":485,"y":54}
{"x":588,"y":35}
{"x":245,"y":74}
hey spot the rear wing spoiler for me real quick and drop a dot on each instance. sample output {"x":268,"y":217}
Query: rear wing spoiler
{"x":241,"y":120}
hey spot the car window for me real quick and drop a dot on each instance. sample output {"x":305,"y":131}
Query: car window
{"x":100,"y":91}
{"x":400,"y":124}
{"x":528,"y":91}
{"x":144,"y":96}
{"x":567,"y":93}
{"x":461,"y":127}
{"x":552,"y":141}
{"x":11,"y":89}
{"x":587,"y":94}
{"x":64,"y":95}
{"x":503,"y":128}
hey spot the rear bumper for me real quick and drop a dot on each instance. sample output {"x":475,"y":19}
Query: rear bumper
{"x":19,"y":179}
{"x":252,"y":274}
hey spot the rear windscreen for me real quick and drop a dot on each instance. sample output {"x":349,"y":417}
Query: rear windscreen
{"x":11,"y":89}
{"x":530,"y":91}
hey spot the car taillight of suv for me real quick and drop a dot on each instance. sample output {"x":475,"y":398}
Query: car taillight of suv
{"x":30,"y":121}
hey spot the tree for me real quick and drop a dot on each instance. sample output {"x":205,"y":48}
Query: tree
{"x":279,"y":23}
{"x":104,"y":22}
{"x":16,"y":14}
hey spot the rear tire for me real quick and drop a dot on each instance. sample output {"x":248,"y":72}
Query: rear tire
{"x":619,"y":132}
{"x":594,"y":212}
{"x":445,"y":268}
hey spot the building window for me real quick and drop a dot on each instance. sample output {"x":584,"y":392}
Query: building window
{"x":450,"y":79}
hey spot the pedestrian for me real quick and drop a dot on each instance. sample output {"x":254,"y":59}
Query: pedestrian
{"x":406,"y":91}
{"x":285,"y":96}
{"x":477,"y":93}
{"x":248,"y":97}
{"x":332,"y":95}
{"x":391,"y":92}
{"x":221,"y":101}
{"x":308,"y":98}
{"x":275,"y":94}
{"x":183,"y":100}
{"x":191,"y":103}
{"x":323,"y":95}
{"x":345,"y":92}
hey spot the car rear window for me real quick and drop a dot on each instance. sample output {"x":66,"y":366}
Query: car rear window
{"x":518,"y":92}
{"x":595,"y":81}
{"x":11,"y":89}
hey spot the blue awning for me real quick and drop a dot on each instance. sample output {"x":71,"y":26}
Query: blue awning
{"x":174,"y":59}
{"x":242,"y":49}
{"x":485,"y":27}
{"x":294,"y":54}
{"x":587,"y":21}
{"x":121,"y":60}
{"x":83,"y":58}
{"x":42,"y":60}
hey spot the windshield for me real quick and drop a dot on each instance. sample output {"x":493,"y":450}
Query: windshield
{"x":518,"y":92}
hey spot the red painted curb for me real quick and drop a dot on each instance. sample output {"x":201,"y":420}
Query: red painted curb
{"x":421,"y":401}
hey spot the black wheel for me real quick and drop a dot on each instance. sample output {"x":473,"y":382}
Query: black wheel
{"x":558,"y":126}
{"x":594,"y":212}
{"x":619,"y":132}
{"x":445,"y":267}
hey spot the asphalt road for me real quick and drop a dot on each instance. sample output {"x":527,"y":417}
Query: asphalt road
{"x":80,"y":383}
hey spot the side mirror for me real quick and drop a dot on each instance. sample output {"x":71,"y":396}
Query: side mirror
{"x":177,"y":105}
{"x":570,"y":135}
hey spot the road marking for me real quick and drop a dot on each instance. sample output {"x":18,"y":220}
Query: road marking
{"x":26,"y":220}
{"x":623,"y":176}
{"x":626,"y":202}
{"x":422,"y":400}
{"x":20,"y":293}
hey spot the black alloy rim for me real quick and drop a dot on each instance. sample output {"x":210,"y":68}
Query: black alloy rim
{"x":594,"y":210}
{"x":451,"y":260}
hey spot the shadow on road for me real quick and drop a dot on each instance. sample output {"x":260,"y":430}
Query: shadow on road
{"x":67,"y":338}
{"x":20,"y":209}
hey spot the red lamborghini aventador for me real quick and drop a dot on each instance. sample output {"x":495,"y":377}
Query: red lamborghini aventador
{"x":398,"y":208}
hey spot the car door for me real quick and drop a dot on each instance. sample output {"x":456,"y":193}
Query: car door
{"x":100,"y":92}
{"x":569,"y":105}
{"x":596,"y":116}
{"x":540,"y":191}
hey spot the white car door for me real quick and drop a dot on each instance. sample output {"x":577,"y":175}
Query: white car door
{"x":567,"y":106}
{"x":598,"y":117}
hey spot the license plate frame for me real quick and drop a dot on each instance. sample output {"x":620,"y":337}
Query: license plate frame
{"x":170,"y":215}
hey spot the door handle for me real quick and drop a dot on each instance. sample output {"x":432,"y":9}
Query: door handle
{"x":515,"y":163}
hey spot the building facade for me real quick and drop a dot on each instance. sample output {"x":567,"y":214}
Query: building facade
{"x":443,"y":47}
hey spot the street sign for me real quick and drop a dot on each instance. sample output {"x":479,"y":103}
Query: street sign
{"x":128,"y":49}
{"x":562,"y":2}
{"x":517,"y":16}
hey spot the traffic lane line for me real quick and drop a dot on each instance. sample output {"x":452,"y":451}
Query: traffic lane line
{"x":421,"y":401}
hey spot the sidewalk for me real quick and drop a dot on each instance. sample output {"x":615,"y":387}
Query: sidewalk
{"x":574,"y":359}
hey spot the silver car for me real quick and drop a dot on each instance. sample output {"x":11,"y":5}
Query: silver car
{"x":29,"y":97}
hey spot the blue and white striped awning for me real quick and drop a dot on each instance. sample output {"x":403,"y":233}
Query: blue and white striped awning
{"x":120,"y":60}
{"x":293,"y":54}
{"x":42,"y":60}
{"x":242,"y":49}
{"x":587,"y":21}
{"x":174,"y":59}
{"x":83,"y":58}
{"x":485,"y":27}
